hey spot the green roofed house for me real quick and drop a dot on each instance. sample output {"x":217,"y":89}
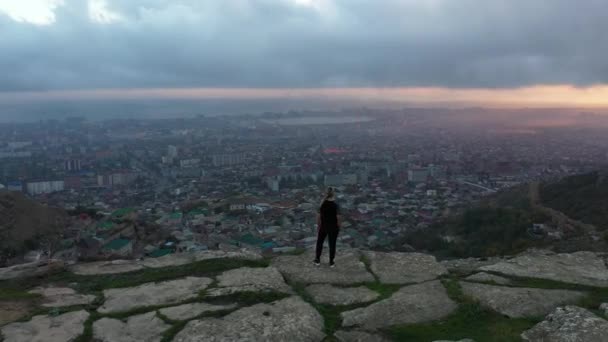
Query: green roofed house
{"x":119,"y":247}
{"x":122,"y":212}
{"x":161,"y":252}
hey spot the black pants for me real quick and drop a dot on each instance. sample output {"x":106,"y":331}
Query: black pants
{"x":333,"y":236}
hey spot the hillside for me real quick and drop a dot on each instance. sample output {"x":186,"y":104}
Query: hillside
{"x":25,"y":224}
{"x":570,"y":214}
{"x":581,"y":197}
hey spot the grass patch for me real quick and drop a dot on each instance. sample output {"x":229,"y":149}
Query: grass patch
{"x":470,"y":320}
{"x":87,"y":334}
{"x":595,"y":295}
{"x":12,"y":293}
{"x":385,"y":290}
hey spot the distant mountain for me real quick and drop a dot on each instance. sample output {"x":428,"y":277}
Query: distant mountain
{"x":26,"y":225}
{"x":566,"y":215}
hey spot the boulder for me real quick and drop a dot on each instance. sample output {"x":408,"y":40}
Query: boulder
{"x":488,"y":278}
{"x":150,"y":294}
{"x":404,"y":268}
{"x":289,"y":319}
{"x":411,"y":304}
{"x":584,"y":268}
{"x":188,"y":311}
{"x":32,"y":269}
{"x":358,"y":336}
{"x":569,"y":324}
{"x":61,"y":328}
{"x":146,"y":327}
{"x":257,"y":279}
{"x":299,"y":268}
{"x":520,"y":302}
{"x":332,"y":295}
{"x":105,"y":267}
{"x":604,"y":308}
{"x":62,"y":296}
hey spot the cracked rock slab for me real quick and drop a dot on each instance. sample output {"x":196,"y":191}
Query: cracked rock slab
{"x":358,"y":336}
{"x":289,"y":319}
{"x":299,"y":268}
{"x":468,"y":265}
{"x":404,"y":268}
{"x":62,"y":296}
{"x":328,"y":294}
{"x":162,"y":293}
{"x":188,"y":311}
{"x":252,"y":279}
{"x":568,"y":324}
{"x":61,"y":328}
{"x":147,"y":327}
{"x":584,"y":268}
{"x":179,"y":259}
{"x":488,"y":278}
{"x":411,"y":304}
{"x":106,"y":267}
{"x":520,"y":302}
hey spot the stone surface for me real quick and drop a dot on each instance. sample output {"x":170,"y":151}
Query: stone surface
{"x":170,"y":260}
{"x":411,"y":304}
{"x":178,"y":259}
{"x":12,"y":310}
{"x":404,"y":268}
{"x":569,"y":324}
{"x":299,"y":268}
{"x":147,"y":327}
{"x":584,"y":268}
{"x":61,"y":328}
{"x":167,"y":292}
{"x":519,"y":302}
{"x":488,"y":278}
{"x":604,"y":308}
{"x":187,"y":311}
{"x":358,"y":336}
{"x":256,"y":279}
{"x":106,"y":267}
{"x":244,"y":254}
{"x":289,"y":319}
{"x":468,"y":265}
{"x":328,"y":294}
{"x":62,"y":296}
{"x":32,"y":269}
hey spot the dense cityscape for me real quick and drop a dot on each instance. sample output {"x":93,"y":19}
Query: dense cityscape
{"x":139,"y":188}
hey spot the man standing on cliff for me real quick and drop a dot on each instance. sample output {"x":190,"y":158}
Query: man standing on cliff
{"x":328,"y":224}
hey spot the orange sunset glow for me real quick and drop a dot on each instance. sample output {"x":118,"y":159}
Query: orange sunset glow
{"x":536,"y":96}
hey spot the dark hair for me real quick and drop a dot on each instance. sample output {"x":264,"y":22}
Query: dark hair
{"x":331,"y":192}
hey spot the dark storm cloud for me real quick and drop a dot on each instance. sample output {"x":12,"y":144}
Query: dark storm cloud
{"x":283,"y":43}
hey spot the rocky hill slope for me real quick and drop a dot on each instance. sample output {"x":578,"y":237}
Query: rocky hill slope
{"x":573,"y":211}
{"x":369,"y":296}
{"x":25,"y":224}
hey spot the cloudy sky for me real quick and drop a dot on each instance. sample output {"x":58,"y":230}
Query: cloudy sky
{"x":528,"y":51}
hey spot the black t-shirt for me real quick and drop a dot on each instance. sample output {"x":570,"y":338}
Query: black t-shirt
{"x":329,"y":214}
